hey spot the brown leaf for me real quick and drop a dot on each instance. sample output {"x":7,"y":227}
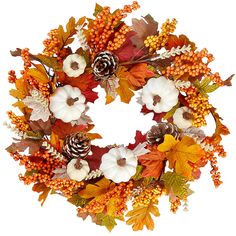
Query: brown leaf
{"x":43,"y":190}
{"x":153,"y":162}
{"x":228,"y":82}
{"x":41,"y":126}
{"x":143,"y":27}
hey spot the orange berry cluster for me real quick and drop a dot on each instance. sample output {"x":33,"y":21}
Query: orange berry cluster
{"x":174,"y":206}
{"x":147,"y":196}
{"x":12,"y":76}
{"x":26,"y":58}
{"x":119,"y":38}
{"x":121,"y":193}
{"x":52,"y":43}
{"x":104,"y":27}
{"x":156,"y":42}
{"x":18,"y":121}
{"x":199,"y":104}
{"x":44,"y":88}
{"x":192,"y":63}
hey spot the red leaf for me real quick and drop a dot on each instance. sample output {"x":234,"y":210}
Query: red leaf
{"x":156,"y":117}
{"x":183,"y":100}
{"x":139,"y":138}
{"x":90,"y":95}
{"x":128,"y":51}
{"x":94,"y":160}
{"x":63,"y":129}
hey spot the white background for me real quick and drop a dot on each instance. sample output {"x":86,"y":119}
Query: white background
{"x":210,"y":24}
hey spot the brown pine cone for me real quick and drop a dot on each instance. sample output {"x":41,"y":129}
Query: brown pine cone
{"x":156,"y":134}
{"x":76,"y":145}
{"x":105,"y":65}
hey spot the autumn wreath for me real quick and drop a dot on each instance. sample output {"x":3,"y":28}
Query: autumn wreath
{"x":55,"y":142}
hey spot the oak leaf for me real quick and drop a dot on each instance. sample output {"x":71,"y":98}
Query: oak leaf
{"x":141,"y":216}
{"x":181,"y":154}
{"x":43,"y":190}
{"x":153,"y":162}
{"x":94,"y":190}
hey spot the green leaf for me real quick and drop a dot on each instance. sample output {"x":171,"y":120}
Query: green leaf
{"x":170,"y":113}
{"x":29,"y":173}
{"x":50,"y":62}
{"x":98,"y":9}
{"x":77,"y":200}
{"x":138,"y":174}
{"x":177,"y":184}
{"x":211,"y":88}
{"x":106,"y":220}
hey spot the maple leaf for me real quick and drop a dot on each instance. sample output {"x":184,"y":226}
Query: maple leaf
{"x":174,"y":41}
{"x":141,"y":216}
{"x":180,"y":153}
{"x":41,"y":126}
{"x":139,"y":138}
{"x":124,"y":91}
{"x":176,"y":184}
{"x":94,"y":160}
{"x":137,"y":75}
{"x":105,"y":220}
{"x":43,"y":190}
{"x":156,"y":116}
{"x":153,"y":162}
{"x":94,"y":190}
{"x":77,"y":200}
{"x":32,"y":145}
{"x":21,"y":90}
{"x":143,"y":27}
{"x":128,"y":51}
{"x":63,"y":129}
{"x":39,"y":73}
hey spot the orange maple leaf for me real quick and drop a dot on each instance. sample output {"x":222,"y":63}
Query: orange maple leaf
{"x":153,"y":162}
{"x":181,"y":154}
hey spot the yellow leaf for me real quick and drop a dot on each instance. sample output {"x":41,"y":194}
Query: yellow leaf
{"x":39,"y":74}
{"x":20,"y":105}
{"x":124,"y":91}
{"x":93,"y":136}
{"x":21,"y":90}
{"x":97,"y":189}
{"x":181,"y":153}
{"x":109,"y":99}
{"x":141,"y":216}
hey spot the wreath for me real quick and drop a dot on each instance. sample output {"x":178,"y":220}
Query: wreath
{"x":54,"y":139}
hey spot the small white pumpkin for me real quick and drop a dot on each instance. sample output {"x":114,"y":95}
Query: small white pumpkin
{"x":74,"y":65}
{"x":119,"y":164}
{"x":77,"y":171}
{"x":67,"y":103}
{"x":183,"y":117}
{"x":159,"y":94}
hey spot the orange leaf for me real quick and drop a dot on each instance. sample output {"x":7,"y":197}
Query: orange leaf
{"x":39,"y":73}
{"x":153,"y":162}
{"x":124,"y":91}
{"x":181,"y":153}
{"x":43,"y":190}
{"x":93,"y":136}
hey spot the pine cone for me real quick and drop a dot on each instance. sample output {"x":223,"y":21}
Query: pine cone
{"x":156,"y":134}
{"x":76,"y":145}
{"x":105,"y":64}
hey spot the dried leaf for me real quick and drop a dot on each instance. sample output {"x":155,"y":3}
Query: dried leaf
{"x":41,"y":126}
{"x":153,"y":162}
{"x":110,"y":87}
{"x":94,"y":160}
{"x":94,"y":190}
{"x":43,"y":190}
{"x":143,"y":27}
{"x":176,"y":184}
{"x":141,"y":216}
{"x":32,"y":145}
{"x":139,"y":138}
{"x":228,"y":82}
{"x":180,"y":153}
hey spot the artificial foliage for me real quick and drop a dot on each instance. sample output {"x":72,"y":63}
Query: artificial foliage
{"x":54,"y":138}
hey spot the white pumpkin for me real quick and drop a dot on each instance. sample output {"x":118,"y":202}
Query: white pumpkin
{"x":67,"y":103}
{"x":75,"y":173}
{"x":119,"y":164}
{"x":183,"y":117}
{"x":159,"y":94}
{"x":74,"y":65}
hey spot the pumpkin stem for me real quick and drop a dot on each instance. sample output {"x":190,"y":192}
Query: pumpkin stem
{"x":74,"y":65}
{"x":156,"y":99}
{"x":121,"y":162}
{"x":78,"y":164}
{"x":71,"y":101}
{"x":188,"y":116}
